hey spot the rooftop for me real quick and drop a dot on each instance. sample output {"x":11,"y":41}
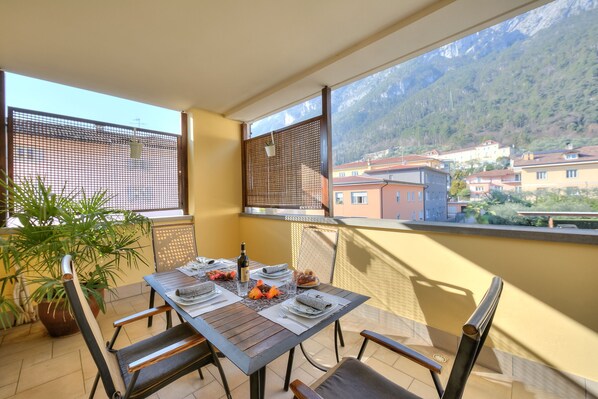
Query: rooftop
{"x":584,"y":154}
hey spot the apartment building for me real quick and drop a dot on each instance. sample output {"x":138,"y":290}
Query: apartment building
{"x":488,"y":151}
{"x":378,"y":198}
{"x":569,"y":169}
{"x":360,"y":167}
{"x":482,"y":183}
{"x":435,"y":183}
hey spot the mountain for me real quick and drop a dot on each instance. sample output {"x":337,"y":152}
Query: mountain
{"x":518,"y":82}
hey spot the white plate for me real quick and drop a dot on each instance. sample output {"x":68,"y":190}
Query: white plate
{"x":310,"y":286}
{"x":292,"y":308}
{"x":199,"y":299}
{"x":275,"y":276}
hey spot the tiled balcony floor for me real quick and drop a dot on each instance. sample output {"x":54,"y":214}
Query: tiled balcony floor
{"x":34,"y":365}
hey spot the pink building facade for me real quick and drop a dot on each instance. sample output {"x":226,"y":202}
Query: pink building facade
{"x":370,"y":197}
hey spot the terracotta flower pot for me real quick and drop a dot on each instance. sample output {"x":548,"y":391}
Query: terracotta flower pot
{"x":56,"y":318}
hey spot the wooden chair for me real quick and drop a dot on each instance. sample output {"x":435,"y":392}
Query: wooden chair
{"x":318,"y":253}
{"x":353,"y":379}
{"x":174,"y":245}
{"x":142,"y":368}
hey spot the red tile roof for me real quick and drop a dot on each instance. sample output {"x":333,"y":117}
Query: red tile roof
{"x":339,"y":181}
{"x":491,"y":174}
{"x":385,"y":161}
{"x":586,"y":154}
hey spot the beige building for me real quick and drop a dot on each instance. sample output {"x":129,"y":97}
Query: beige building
{"x":360,"y":167}
{"x":488,"y":151}
{"x":569,"y":169}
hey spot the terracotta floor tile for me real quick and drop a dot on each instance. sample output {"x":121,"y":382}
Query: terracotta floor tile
{"x":234,"y":376}
{"x":35,"y":365}
{"x":44,"y":372}
{"x":186,"y":385}
{"x":422,"y":390}
{"x":9,"y":372}
{"x":66,"y":387}
{"x":211,"y":390}
{"x":64,"y":345}
{"x":8,"y":391}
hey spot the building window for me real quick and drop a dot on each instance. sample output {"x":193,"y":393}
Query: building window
{"x":571,"y":156}
{"x":398,"y":196}
{"x":571,"y":173}
{"x":389,"y":177}
{"x":518,"y":177}
{"x":518,"y":189}
{"x":421,"y":215}
{"x":479,"y":188}
{"x":419,"y":196}
{"x":338,"y":198}
{"x":354,"y":173}
{"x":360,"y":197}
{"x":341,"y":174}
{"x":541,"y":175}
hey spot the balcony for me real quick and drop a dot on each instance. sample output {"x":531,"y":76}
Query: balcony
{"x":423,"y":278}
{"x":37,"y":366}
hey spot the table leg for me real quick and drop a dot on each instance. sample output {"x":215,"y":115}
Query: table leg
{"x":257,"y":384}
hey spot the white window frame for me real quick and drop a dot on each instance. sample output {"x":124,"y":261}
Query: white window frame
{"x":359,"y":198}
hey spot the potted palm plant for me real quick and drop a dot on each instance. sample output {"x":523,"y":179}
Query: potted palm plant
{"x":102,"y":241}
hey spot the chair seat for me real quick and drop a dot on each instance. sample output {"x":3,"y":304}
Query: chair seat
{"x":352,"y":378}
{"x":153,"y":377}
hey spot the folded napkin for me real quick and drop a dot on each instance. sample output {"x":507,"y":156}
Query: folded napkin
{"x":275,"y":268}
{"x":204,"y":260}
{"x":195,"y":290}
{"x":312,"y":301}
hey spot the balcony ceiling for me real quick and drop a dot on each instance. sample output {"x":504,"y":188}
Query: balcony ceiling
{"x":240,"y":58}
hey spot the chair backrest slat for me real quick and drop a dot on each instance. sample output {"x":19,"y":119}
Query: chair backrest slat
{"x":105,"y":361}
{"x":472,"y":341}
{"x":174,"y":245}
{"x":318,"y":251}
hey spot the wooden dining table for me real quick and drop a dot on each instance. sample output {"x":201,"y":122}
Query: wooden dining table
{"x":246,"y":338}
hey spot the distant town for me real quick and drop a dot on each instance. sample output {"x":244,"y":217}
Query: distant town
{"x":443,"y":186}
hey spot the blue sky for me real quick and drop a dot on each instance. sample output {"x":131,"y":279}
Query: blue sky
{"x":40,"y":95}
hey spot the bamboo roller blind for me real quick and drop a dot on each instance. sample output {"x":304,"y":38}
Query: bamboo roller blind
{"x":95,"y":156}
{"x":290,"y":179}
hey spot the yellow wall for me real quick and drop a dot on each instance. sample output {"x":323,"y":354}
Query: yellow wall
{"x":548,"y":308}
{"x":556,"y":177}
{"x":215,"y":183}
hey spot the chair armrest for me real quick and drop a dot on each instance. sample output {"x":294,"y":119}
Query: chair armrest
{"x":302,"y":391}
{"x":144,"y":314}
{"x":402,"y":350}
{"x":166,"y":352}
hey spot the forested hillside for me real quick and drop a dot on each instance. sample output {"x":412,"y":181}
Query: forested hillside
{"x":531,"y":82}
{"x":535,"y":94}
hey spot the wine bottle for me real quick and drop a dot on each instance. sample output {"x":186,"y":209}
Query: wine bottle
{"x":243,"y":265}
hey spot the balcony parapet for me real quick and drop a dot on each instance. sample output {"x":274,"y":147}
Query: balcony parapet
{"x":513,"y":232}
